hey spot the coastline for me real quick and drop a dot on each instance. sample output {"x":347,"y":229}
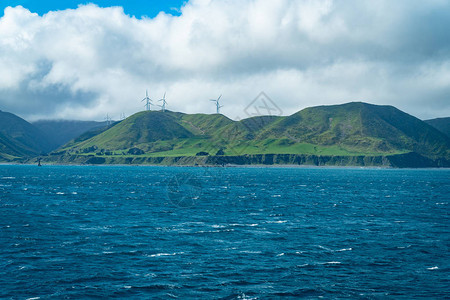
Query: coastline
{"x":398,"y":161}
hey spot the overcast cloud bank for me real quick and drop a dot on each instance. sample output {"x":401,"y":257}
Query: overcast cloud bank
{"x":86,"y":62}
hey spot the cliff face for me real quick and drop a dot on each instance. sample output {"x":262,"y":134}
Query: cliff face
{"x":407,"y":160}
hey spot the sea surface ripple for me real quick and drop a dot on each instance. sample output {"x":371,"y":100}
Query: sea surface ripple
{"x":78,"y":232}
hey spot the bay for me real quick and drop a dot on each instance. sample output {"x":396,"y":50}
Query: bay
{"x":229,"y":233}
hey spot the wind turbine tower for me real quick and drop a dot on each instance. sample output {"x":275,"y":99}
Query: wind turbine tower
{"x":218,"y":106}
{"x":108,"y":120}
{"x":148,"y":101}
{"x":164,"y":102}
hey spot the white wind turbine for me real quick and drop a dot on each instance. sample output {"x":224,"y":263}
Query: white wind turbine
{"x":218,"y":106}
{"x":148,"y":101}
{"x":164,"y":102}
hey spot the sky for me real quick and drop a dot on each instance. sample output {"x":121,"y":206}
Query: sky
{"x":82,"y":60}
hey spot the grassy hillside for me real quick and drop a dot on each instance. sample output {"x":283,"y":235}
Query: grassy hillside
{"x":140,"y":130}
{"x":441,"y":124}
{"x":353,"y":129}
{"x":360,"y":128}
{"x":19,"y":138}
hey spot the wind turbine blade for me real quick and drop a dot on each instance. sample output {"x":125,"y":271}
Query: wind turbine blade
{"x":219,"y":97}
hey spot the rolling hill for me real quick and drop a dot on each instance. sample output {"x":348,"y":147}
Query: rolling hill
{"x":60,"y":132}
{"x":18,"y":138}
{"x":350,"y":130}
{"x":441,"y":124}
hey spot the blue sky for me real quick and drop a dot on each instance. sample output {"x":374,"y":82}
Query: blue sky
{"x":137,"y":8}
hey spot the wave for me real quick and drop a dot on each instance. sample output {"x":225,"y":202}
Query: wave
{"x":164,"y":254}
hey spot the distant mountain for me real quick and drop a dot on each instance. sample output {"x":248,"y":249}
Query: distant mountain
{"x":18,"y":138}
{"x":441,"y":124}
{"x":350,"y":130}
{"x":60,"y":132}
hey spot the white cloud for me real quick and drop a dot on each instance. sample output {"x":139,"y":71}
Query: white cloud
{"x":83,"y":63}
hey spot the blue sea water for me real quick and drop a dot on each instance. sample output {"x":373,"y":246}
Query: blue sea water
{"x":77,"y":232}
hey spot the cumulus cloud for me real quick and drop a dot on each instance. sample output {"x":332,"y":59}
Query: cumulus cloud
{"x":83,"y":63}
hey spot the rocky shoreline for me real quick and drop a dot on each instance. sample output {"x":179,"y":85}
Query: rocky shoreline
{"x":406,"y":160}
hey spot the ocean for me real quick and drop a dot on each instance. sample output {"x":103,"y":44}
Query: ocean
{"x":77,"y":232}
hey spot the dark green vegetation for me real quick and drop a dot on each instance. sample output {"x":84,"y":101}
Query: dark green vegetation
{"x":441,"y":124}
{"x":60,"y":132}
{"x":349,"y":134}
{"x":18,"y":138}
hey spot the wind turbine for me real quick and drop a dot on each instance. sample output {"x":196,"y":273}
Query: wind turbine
{"x":164,"y":102}
{"x":148,"y":103}
{"x":218,"y":106}
{"x":108,"y":120}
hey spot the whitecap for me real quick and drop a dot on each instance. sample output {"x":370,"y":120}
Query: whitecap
{"x":324,"y":248}
{"x":165,"y":254}
{"x":281,"y":254}
{"x":344,"y":249}
{"x":301,"y":266}
{"x":332,"y":263}
{"x":34,"y":298}
{"x":59,"y":193}
{"x":127,"y":286}
{"x":8,"y":177}
{"x":237,"y":224}
{"x":433,"y":268}
{"x":250,"y":252}
{"x":217,"y":226}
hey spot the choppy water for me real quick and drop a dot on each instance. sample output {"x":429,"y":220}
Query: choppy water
{"x":232,"y":233}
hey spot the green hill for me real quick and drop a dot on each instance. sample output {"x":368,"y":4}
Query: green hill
{"x":360,"y":128}
{"x":18,"y":138}
{"x":140,"y":130}
{"x":441,"y":124}
{"x":349,"y":130}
